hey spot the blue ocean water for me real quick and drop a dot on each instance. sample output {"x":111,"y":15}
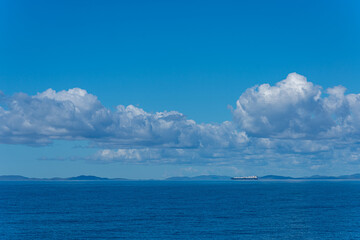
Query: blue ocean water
{"x":180,"y":210}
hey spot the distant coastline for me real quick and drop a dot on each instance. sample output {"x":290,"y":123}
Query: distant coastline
{"x":196,"y":178}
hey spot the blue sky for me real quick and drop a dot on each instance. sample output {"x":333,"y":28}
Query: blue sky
{"x":193,"y":57}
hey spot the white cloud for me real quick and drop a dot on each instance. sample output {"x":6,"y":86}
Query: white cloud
{"x":39,"y":119}
{"x":293,"y":122}
{"x":295,"y":108}
{"x":291,"y":108}
{"x":78,"y":115}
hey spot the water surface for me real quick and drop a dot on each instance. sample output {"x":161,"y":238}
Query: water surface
{"x":180,"y":210}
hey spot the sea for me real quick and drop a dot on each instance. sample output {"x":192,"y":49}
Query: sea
{"x":180,"y":210}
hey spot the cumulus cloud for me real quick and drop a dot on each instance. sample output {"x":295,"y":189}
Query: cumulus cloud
{"x":50,"y":115}
{"x":295,"y":108}
{"x":294,"y":120}
{"x":78,"y":115}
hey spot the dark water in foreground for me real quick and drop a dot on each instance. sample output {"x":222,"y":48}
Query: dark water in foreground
{"x":180,"y":210}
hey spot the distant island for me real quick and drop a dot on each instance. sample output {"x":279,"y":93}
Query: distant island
{"x":196,"y":178}
{"x":78,"y":178}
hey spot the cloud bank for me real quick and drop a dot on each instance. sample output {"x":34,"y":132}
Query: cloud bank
{"x":294,"y":120}
{"x":78,"y":115}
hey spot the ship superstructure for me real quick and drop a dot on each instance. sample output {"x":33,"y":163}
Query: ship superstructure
{"x":245,"y":178}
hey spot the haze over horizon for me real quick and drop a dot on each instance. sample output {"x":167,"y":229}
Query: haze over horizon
{"x":113,"y":90}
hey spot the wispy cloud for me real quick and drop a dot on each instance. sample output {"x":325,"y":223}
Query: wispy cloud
{"x":294,"y":120}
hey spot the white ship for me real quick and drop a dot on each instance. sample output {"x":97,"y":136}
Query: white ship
{"x":245,"y":178}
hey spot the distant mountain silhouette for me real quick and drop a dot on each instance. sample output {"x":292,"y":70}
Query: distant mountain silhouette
{"x":267,"y":177}
{"x":322,"y":177}
{"x":275,"y":177}
{"x":78,"y":178}
{"x":353,"y":176}
{"x":86,"y":178}
{"x":196,"y":178}
{"x":13,"y":178}
{"x":200,"y":178}
{"x":314,"y":177}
